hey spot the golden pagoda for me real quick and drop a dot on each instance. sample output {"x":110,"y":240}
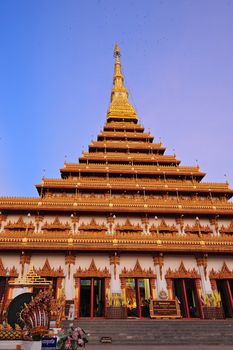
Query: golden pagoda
{"x":125,"y":228}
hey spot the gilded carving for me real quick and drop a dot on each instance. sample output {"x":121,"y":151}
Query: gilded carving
{"x":3,"y":271}
{"x":137,"y":271}
{"x":228,"y":230}
{"x":56,"y":225}
{"x":224,"y":273}
{"x":93,"y":227}
{"x":48,"y":271}
{"x":182,"y":272}
{"x":92,"y":271}
{"x":19,"y":225}
{"x":128,"y":227}
{"x":198,"y":229}
{"x":163,"y":228}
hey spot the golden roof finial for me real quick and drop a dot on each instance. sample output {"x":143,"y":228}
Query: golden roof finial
{"x":120,"y":107}
{"x":117,"y":51}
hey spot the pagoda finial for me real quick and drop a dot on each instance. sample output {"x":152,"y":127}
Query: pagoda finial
{"x":117,"y":51}
{"x":120,"y":107}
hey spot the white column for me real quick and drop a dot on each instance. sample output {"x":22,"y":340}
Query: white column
{"x":161,"y":284}
{"x":69,"y":283}
{"x":115,"y":283}
{"x":205,"y":282}
{"x":202,"y":266}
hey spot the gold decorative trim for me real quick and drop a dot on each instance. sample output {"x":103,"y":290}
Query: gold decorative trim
{"x":137,"y":271}
{"x":92,"y":271}
{"x":92,"y":226}
{"x":224,"y":273}
{"x":128,"y":226}
{"x":182,"y":272}
{"x":227,"y":230}
{"x":163,"y":227}
{"x":197,"y":229}
{"x":19,"y":225}
{"x":56,"y":225}
{"x":48,"y":271}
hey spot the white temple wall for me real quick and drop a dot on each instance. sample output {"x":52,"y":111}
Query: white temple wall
{"x":55,"y":260}
{"x":9,"y":260}
{"x":173,"y":262}
{"x":129,"y":261}
{"x":216,"y":262}
{"x":84,"y":260}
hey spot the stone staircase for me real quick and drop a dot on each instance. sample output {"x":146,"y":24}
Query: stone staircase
{"x":158,"y":332}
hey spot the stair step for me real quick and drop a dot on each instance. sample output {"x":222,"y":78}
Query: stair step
{"x":158,"y":332}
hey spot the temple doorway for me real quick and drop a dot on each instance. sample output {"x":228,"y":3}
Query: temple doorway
{"x":138,"y":296}
{"x":185,"y":290}
{"x":225,"y":288}
{"x":92,"y":297}
{"x":3,"y":295}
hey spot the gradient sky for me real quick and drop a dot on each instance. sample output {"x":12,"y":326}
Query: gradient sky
{"x":56,"y":69}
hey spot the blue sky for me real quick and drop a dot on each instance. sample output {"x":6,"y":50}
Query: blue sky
{"x":56,"y":68}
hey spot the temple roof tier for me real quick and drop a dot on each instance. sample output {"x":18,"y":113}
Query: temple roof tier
{"x":123,"y":126}
{"x":127,"y":146}
{"x":121,"y":157}
{"x":153,"y":170}
{"x":136,"y":184}
{"x":105,"y":242}
{"x":122,"y":204}
{"x":126,"y":136}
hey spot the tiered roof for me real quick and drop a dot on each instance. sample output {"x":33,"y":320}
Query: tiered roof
{"x":125,"y":171}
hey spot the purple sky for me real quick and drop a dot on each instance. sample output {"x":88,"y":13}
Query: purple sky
{"x":56,"y":69}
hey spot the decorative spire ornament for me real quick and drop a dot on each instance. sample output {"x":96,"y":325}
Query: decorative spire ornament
{"x":120,"y":108}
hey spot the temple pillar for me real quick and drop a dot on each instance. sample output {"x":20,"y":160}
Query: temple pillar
{"x":160,"y":279}
{"x":198,"y":289}
{"x":76,"y":297}
{"x":2,"y":219}
{"x":69,"y":283}
{"x":169,"y":288}
{"x":202,"y":266}
{"x":75,"y":221}
{"x":215,"y":226}
{"x":180,"y":223}
{"x":152,"y":287}
{"x":115,"y":283}
{"x":25,"y":260}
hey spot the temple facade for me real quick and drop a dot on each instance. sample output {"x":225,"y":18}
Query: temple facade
{"x":124,"y":226}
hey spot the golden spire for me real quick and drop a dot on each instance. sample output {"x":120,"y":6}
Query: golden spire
{"x":120,"y":107}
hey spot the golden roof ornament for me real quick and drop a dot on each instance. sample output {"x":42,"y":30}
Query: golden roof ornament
{"x":117,"y":51}
{"x":120,"y":107}
{"x":30,"y":279}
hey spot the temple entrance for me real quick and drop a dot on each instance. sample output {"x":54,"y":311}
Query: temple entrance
{"x":92,"y":297}
{"x":185,"y":290}
{"x":225,"y":288}
{"x":138,"y":297}
{"x":3,"y":292}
